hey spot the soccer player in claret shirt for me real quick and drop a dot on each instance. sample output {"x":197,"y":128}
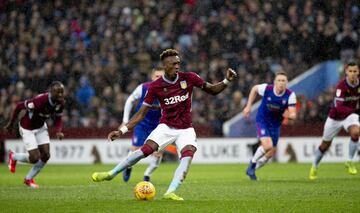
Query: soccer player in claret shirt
{"x":34,"y":131}
{"x":174,"y":92}
{"x":276,"y":99}
{"x":344,"y":113}
{"x":143,"y":129}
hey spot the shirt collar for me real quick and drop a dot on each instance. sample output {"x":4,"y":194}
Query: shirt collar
{"x":171,"y":82}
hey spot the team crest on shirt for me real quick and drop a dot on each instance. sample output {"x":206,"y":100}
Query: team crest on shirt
{"x":269,"y":99}
{"x":283,"y":101}
{"x":262,"y":131}
{"x":183,"y":84}
{"x":57,"y":107}
{"x":338,"y":92}
{"x":165,"y":90}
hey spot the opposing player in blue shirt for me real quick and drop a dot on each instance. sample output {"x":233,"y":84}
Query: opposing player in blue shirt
{"x":276,"y":99}
{"x":145,"y":127}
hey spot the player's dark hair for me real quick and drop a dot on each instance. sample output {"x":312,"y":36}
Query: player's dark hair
{"x":56,"y":83}
{"x":167,"y":53}
{"x":351,"y":63}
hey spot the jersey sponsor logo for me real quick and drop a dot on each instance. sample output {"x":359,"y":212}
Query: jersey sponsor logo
{"x":176,"y":99}
{"x":183,"y":84}
{"x":352,"y":98}
{"x":338,"y":92}
{"x":273,"y":107}
{"x":44,"y":115}
{"x":262,"y":131}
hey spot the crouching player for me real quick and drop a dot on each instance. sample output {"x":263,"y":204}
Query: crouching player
{"x":34,"y":131}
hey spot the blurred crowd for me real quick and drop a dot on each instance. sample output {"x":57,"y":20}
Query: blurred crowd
{"x":101,"y":50}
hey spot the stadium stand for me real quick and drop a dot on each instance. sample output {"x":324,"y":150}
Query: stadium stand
{"x":101,"y":50}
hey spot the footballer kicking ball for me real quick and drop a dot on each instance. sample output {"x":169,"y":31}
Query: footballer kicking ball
{"x":144,"y":191}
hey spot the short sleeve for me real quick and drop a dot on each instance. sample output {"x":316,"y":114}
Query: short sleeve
{"x":149,"y":96}
{"x":292,"y":99}
{"x":261,"y":89}
{"x":196,"y":80}
{"x":137,"y":92}
{"x":36,"y":102}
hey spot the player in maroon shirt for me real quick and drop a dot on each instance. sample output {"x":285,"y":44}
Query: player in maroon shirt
{"x":174,"y":92}
{"x":34,"y":131}
{"x":343,"y":114}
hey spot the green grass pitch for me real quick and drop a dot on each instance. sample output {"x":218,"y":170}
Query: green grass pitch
{"x":208,"y":188}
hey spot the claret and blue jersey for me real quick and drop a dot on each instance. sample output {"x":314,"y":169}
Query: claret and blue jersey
{"x":270,"y":113}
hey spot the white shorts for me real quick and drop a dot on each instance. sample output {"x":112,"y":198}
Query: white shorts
{"x":33,"y":138}
{"x":164,"y":135}
{"x":332,"y":127}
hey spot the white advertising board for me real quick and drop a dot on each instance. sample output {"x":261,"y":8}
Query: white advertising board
{"x":210,"y":150}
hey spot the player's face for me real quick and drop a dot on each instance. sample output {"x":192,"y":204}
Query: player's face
{"x":156,"y":74}
{"x":280,"y":83}
{"x":352,"y":72}
{"x":172,"y":66}
{"x":57,"y":93}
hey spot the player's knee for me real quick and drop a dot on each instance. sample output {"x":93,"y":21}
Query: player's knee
{"x":147,"y":149}
{"x":188,"y":151}
{"x":45,"y":157}
{"x":34,"y":157}
{"x":355,"y":135}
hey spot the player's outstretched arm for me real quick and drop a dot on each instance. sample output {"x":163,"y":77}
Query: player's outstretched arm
{"x":251,"y":98}
{"x":14,"y":114}
{"x":139,"y":116}
{"x":215,"y":89}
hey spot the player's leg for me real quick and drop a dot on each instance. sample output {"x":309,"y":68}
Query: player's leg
{"x":153,"y":165}
{"x":128,"y":170}
{"x":274,"y":133}
{"x":262,"y":161}
{"x":42,"y":155}
{"x":186,"y":142}
{"x":155,"y":161}
{"x":331,"y":129}
{"x":351,"y":125}
{"x":265,"y":147}
{"x":156,"y":138}
{"x":146,"y":150}
{"x":138,"y":140}
{"x":29,"y":140}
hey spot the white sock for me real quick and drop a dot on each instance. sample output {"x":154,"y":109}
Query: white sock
{"x":258,"y":154}
{"x":22,"y":157}
{"x":154,"y":164}
{"x":318,"y":157}
{"x":353,"y":145}
{"x":35,"y":170}
{"x":180,"y":174}
{"x":132,"y":158}
{"x":261,"y":162}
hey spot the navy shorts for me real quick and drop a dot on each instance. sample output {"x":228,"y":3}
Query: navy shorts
{"x":263,"y":130}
